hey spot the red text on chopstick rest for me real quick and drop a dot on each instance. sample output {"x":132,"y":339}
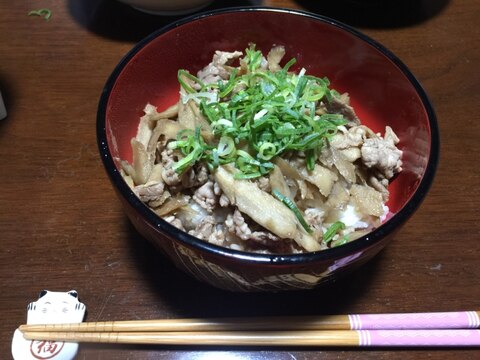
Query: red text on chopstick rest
{"x":43,"y":349}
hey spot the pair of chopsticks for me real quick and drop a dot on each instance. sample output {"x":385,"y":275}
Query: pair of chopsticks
{"x":447,"y":329}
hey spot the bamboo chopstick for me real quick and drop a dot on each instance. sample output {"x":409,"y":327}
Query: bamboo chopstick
{"x":431,"y":320}
{"x":407,"y":329}
{"x":349,"y":338}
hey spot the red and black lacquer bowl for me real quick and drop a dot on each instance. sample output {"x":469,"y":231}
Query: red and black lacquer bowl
{"x":382,"y":90}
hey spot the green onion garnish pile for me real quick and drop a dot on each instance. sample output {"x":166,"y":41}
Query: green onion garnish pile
{"x":256,"y":116}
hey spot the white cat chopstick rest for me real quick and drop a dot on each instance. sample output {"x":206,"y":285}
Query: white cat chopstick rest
{"x":50,"y":308}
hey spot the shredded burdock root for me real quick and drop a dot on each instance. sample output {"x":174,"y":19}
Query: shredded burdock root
{"x":258,"y":158}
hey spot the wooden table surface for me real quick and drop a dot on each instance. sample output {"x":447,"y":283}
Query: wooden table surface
{"x":62,"y":227}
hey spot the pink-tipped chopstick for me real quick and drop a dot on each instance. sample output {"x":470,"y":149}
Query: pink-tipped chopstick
{"x":392,"y":321}
{"x":401,"y":329}
{"x":350,"y":338}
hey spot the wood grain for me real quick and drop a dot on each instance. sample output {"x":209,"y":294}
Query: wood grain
{"x":62,"y":227}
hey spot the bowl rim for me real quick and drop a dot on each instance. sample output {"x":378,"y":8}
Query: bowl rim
{"x":353,"y":247}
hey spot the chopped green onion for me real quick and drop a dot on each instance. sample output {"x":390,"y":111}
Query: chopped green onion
{"x":262,"y":113}
{"x":226,"y":146}
{"x":226,"y":89}
{"x":181,"y":165}
{"x":345,"y":239}
{"x":253,"y":58}
{"x":243,"y":176}
{"x":192,"y":146}
{"x":187,"y":87}
{"x":289,"y":64}
{"x":291,"y":205}
{"x":301,"y":84}
{"x":211,"y":97}
{"x":311,"y":158}
{"x":267,"y":151}
{"x":45,"y":13}
{"x":332,"y":231}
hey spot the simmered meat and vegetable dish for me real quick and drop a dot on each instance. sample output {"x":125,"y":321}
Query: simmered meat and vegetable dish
{"x":258,"y":158}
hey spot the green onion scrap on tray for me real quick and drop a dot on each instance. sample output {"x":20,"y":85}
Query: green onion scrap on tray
{"x":257,"y":157}
{"x":45,"y":13}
